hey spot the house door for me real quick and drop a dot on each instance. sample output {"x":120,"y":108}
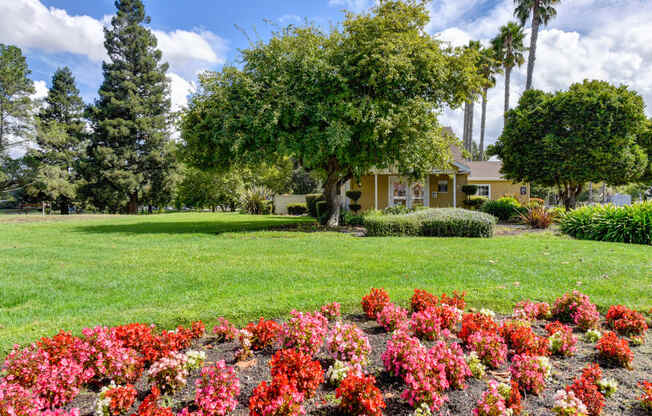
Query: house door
{"x":406,"y":193}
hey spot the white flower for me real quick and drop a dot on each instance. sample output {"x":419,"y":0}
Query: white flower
{"x":195,"y":359}
{"x":488,"y":312}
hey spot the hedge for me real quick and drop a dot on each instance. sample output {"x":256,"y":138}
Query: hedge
{"x":503,"y":208}
{"x":311,"y":202}
{"x":434,"y":222}
{"x":297,"y":209}
{"x":627,"y":224}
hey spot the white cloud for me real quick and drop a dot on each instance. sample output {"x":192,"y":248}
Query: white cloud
{"x":290,"y":18}
{"x":40,"y":90}
{"x":30,"y":24}
{"x":179,"y":91}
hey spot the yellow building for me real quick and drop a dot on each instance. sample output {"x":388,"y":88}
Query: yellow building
{"x":442,"y":188}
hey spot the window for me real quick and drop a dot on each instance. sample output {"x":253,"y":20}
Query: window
{"x":417,"y":194}
{"x":399,"y":192}
{"x":484,"y":190}
{"x":442,"y":186}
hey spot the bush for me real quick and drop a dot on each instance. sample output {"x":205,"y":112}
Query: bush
{"x":331,"y":311}
{"x":489,"y":347}
{"x":476,"y":322}
{"x":397,"y":210}
{"x":347,"y":342}
{"x":217,"y":390}
{"x":374,"y":302}
{"x":576,"y":308}
{"x":256,"y":200}
{"x":297,"y":209}
{"x":530,"y":372}
{"x":474,"y":202}
{"x":349,"y":218}
{"x":615,"y":350}
{"x":311,"y":203}
{"x":278,"y":398}
{"x":469,"y":189}
{"x":263,"y":334}
{"x":225,"y":331}
{"x":626,"y":321}
{"x":567,"y":404}
{"x":561,"y":341}
{"x":503,"y":208}
{"x":646,"y":397}
{"x":359,"y":396}
{"x":433,"y":222}
{"x":586,"y":389}
{"x":391,"y":317}
{"x":305,"y":332}
{"x":354,"y":195}
{"x":627,"y":224}
{"x":170,"y":373}
{"x":300,"y":369}
{"x":355,"y":207}
{"x":538,"y":217}
{"x":321,"y":208}
{"x":115,"y":401}
{"x":429,"y":325}
{"x":499,"y":399}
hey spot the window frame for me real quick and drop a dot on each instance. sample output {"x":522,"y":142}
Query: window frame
{"x":477,"y":192}
{"x":439,"y":182}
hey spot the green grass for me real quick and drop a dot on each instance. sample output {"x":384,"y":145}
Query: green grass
{"x":171,"y":269}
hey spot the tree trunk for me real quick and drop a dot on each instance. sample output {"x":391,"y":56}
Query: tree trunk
{"x":465,"y":135}
{"x":532,"y":56}
{"x":132,"y":207}
{"x":508,"y":76}
{"x":569,"y":195}
{"x":149,"y":209}
{"x":470,"y":142}
{"x":64,"y":208}
{"x":483,"y":122}
{"x":332,"y":201}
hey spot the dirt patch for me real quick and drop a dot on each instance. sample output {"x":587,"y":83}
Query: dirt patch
{"x":252,"y":372}
{"x":516,"y":229}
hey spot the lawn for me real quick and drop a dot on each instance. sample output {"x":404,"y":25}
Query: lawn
{"x":173,"y":268}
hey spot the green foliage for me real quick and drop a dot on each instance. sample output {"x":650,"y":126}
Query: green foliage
{"x":349,"y":218}
{"x":366,"y":94}
{"x":397,"y":210}
{"x":200,"y":189}
{"x":475,"y":202}
{"x":303,"y":182}
{"x":627,"y":224}
{"x":354,"y":195}
{"x":355,"y":207}
{"x":321,"y":207}
{"x":469,"y":189}
{"x":435,"y":222}
{"x":129,"y":161}
{"x":256,"y":200}
{"x":15,"y":101}
{"x":311,"y":202}
{"x":297,"y":209}
{"x":566,"y":139}
{"x":503,"y":208}
{"x":537,"y":216}
{"x":61,"y":143}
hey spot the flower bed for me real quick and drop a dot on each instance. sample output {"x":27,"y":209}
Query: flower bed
{"x":359,"y":366}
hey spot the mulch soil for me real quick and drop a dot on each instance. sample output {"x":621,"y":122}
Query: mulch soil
{"x":461,"y":402}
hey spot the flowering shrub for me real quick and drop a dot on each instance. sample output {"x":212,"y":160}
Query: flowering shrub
{"x":492,"y":403}
{"x":567,"y":404}
{"x":586,"y":389}
{"x":391,"y":316}
{"x":561,"y":341}
{"x":150,"y":406}
{"x":359,"y":396}
{"x":452,"y":357}
{"x":626,"y":321}
{"x":244,"y":339}
{"x":217,"y":390}
{"x":115,"y":401}
{"x":278,"y":398}
{"x":422,"y":300}
{"x":305,"y":332}
{"x":615,"y":350}
{"x":17,"y":401}
{"x":512,"y":396}
{"x":225,"y":331}
{"x":108,"y":359}
{"x":347,"y":342}
{"x":169,"y":373}
{"x":263,"y":334}
{"x":530,"y":311}
{"x":646,"y":397}
{"x":450,"y":316}
{"x":489,"y":347}
{"x":428,"y":324}
{"x":607,"y":386}
{"x":576,"y":308}
{"x":530,"y":372}
{"x":60,"y":412}
{"x":299,"y":368}
{"x":488,"y":312}
{"x":457,"y":300}
{"x":522,"y":340}
{"x":331,"y":311}
{"x":400,"y":353}
{"x":195,"y":359}
{"x":425,"y":380}
{"x":475,"y":365}
{"x":374,"y":302}
{"x":474,"y":322}
{"x":339,"y":370}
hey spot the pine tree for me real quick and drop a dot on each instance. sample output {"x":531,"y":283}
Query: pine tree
{"x":15,"y":106}
{"x":128,"y":156}
{"x":60,"y":140}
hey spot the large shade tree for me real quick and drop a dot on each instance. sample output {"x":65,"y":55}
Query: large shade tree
{"x":508,"y":49}
{"x":366,"y":95}
{"x":589,"y":133}
{"x":541,"y":12}
{"x":128,"y":159}
{"x":60,"y":143}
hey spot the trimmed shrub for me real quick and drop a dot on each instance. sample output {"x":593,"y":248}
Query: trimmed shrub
{"x":469,"y":189}
{"x":297,"y":209}
{"x":434,"y":222}
{"x":349,"y":218}
{"x":627,"y":224}
{"x":311,"y":203}
{"x":503,"y":208}
{"x":354,"y":195}
{"x":355,"y":207}
{"x":475,"y":202}
{"x":321,"y":208}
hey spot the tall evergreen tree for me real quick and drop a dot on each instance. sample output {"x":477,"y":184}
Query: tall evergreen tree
{"x":60,"y":140}
{"x":15,"y":105}
{"x":128,"y":157}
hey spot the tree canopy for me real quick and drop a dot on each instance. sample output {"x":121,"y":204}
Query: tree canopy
{"x":589,"y":133}
{"x":361,"y":96}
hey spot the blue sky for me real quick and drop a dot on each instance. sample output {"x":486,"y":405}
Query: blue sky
{"x":596,"y":39}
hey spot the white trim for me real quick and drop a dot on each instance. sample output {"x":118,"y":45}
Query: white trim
{"x":454,"y":191}
{"x":488,"y":185}
{"x":488,"y":179}
{"x":376,"y":191}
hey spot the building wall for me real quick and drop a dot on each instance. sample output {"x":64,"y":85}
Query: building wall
{"x":281,"y":202}
{"x":502,"y":188}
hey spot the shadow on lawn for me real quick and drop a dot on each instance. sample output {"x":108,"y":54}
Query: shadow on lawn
{"x":197,"y":227}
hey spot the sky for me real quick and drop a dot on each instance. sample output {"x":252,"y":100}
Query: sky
{"x":596,"y":39}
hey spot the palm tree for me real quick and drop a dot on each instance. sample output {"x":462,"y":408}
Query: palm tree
{"x":509,"y":49}
{"x":474,"y":46}
{"x":542,"y":11}
{"x":489,"y":66}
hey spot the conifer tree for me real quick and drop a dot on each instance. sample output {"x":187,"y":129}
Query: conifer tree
{"x":128,"y":156}
{"x":60,"y":140}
